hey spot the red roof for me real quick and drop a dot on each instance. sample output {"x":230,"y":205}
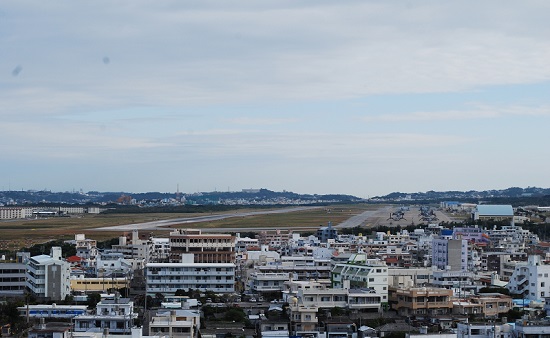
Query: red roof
{"x":74,"y":259}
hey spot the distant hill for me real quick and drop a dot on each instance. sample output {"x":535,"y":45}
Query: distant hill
{"x":259,"y":196}
{"x":514,"y":196}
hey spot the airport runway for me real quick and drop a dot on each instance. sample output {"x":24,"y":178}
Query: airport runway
{"x":162,"y":224}
{"x":376,"y":217}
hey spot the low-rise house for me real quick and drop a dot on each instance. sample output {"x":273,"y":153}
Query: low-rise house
{"x":50,"y":330}
{"x":115,"y":314}
{"x":488,"y":305}
{"x":175,"y":323}
{"x":52,"y":311}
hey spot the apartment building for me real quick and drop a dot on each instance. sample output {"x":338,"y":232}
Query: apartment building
{"x":320,"y":295}
{"x":303,"y":320}
{"x":48,"y":276}
{"x":206,"y":248}
{"x":167,"y":278}
{"x":362,"y":273}
{"x":450,"y":254}
{"x":300,"y":267}
{"x":159,"y":250}
{"x":275,"y":238}
{"x":488,"y":305}
{"x":531,"y":279}
{"x":421,"y":302}
{"x":462,"y":283}
{"x":408,"y":277}
{"x":12,"y":279}
{"x":266,"y":282}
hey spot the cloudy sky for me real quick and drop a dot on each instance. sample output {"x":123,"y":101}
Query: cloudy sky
{"x":355,"y":97}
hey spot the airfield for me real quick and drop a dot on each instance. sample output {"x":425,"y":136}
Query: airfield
{"x":387,"y":215}
{"x":17,"y":234}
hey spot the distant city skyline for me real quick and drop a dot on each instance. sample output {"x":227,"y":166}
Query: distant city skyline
{"x":315,"y":97}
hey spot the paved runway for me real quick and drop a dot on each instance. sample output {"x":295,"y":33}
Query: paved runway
{"x":161,"y":225}
{"x":374,"y":217}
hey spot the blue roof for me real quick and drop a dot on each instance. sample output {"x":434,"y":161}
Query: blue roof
{"x":495,"y":210}
{"x":446,"y":232}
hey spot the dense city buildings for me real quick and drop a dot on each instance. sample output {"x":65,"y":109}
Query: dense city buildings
{"x":284,"y":283}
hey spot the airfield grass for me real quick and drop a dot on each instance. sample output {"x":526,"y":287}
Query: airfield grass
{"x":16,"y":234}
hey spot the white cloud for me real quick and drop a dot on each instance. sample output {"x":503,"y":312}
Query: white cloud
{"x":479,"y":112}
{"x":179,"y":53}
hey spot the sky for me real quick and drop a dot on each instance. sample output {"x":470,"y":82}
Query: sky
{"x":351,"y":97}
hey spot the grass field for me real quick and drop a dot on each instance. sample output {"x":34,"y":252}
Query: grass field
{"x":16,"y":234}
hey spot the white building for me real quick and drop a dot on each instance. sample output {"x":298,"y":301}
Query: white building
{"x":175,"y":324}
{"x":115,"y":314}
{"x":409,"y":277}
{"x":167,"y":278}
{"x":48,"y":276}
{"x":531,"y":279}
{"x":12,"y":279}
{"x":450,"y":254}
{"x":362,"y":273}
{"x":112,"y":264}
{"x":159,"y":250}
{"x":15,"y":212}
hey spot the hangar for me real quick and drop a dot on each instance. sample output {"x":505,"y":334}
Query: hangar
{"x":486,"y":212}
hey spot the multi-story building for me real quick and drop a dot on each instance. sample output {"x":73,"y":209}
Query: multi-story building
{"x":134,"y":249}
{"x":85,"y":248}
{"x":267,"y":282}
{"x":175,"y":324}
{"x":275,"y":238}
{"x":12,"y":279}
{"x":301,"y":267}
{"x":159,"y":250}
{"x":167,"y":278}
{"x":326,"y":233}
{"x":98,"y":284}
{"x":461,"y":282}
{"x":206,"y":248}
{"x":421,"y":302}
{"x":494,"y":260}
{"x":48,"y":276}
{"x":303,"y":319}
{"x":531,"y":279}
{"x":320,"y":295}
{"x":409,"y":277}
{"x":489,"y":305}
{"x":115,"y":314}
{"x":15,"y":212}
{"x":362,"y":273}
{"x":450,"y":254}
{"x":112,"y":264}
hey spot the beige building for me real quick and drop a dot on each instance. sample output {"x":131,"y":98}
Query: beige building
{"x":486,"y":305}
{"x":421,"y":302}
{"x":206,"y":248}
{"x":98,"y":284}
